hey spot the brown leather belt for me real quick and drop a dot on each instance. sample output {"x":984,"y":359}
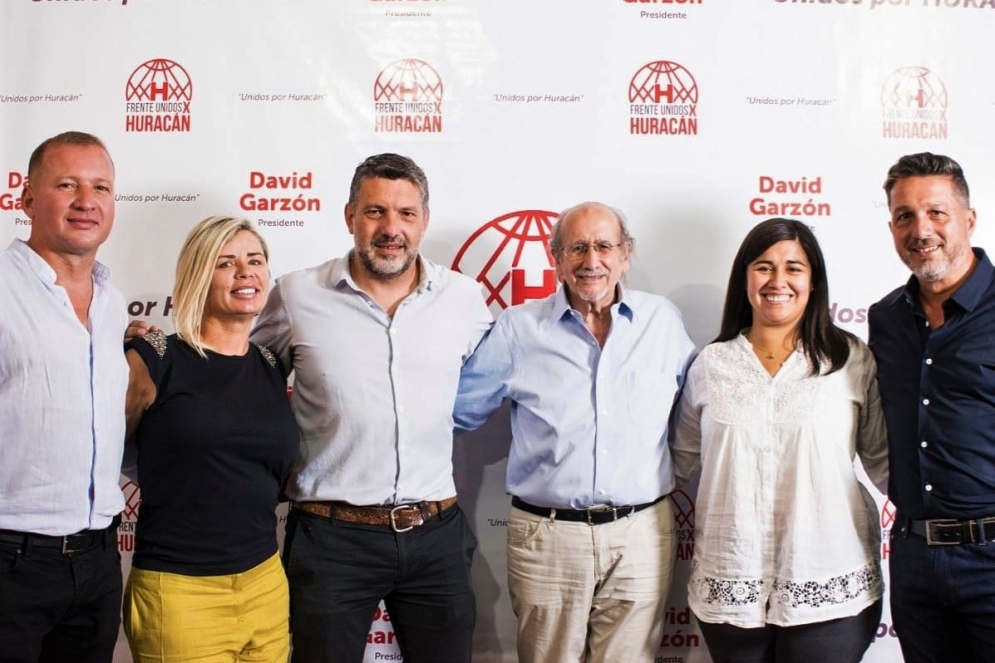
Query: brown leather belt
{"x":400,"y":518}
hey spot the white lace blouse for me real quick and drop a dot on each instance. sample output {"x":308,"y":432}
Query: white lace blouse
{"x":784,"y":532}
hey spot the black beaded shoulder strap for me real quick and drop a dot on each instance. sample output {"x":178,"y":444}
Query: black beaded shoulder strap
{"x":267,"y":355}
{"x":157,"y":339}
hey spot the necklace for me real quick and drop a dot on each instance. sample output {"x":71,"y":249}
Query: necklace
{"x":769,"y":355}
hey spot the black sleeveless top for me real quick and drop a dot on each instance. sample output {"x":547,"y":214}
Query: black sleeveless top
{"x":214,"y":453}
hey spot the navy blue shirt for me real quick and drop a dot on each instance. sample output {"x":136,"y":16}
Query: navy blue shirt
{"x":938,"y":395}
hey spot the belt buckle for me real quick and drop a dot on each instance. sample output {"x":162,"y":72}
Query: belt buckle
{"x":393,"y":523}
{"x":940,"y":521}
{"x":66,"y":549}
{"x":600,"y":509}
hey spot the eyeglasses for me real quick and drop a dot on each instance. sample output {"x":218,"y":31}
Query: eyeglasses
{"x":580,"y":249}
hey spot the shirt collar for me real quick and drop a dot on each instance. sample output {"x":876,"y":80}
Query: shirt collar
{"x":561,"y":307}
{"x":967,"y":295}
{"x":429,"y":272}
{"x":101,"y":274}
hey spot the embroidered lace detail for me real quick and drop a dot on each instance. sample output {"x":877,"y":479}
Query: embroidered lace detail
{"x":835,"y":590}
{"x":726,"y":592}
{"x":741,"y":391}
{"x":267,"y":355}
{"x":838,"y":589}
{"x":157,"y":340}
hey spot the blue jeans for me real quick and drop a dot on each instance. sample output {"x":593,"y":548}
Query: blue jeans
{"x":339,"y":572}
{"x":942,"y":599}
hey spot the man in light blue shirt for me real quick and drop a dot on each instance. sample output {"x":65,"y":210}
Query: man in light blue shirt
{"x":63,"y":378}
{"x":592,"y":372}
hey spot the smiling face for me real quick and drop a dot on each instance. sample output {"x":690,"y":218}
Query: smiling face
{"x":778,"y":284}
{"x":387,"y":221}
{"x":932,"y":227}
{"x":70,"y":201}
{"x":241,"y":278}
{"x":590,"y":277}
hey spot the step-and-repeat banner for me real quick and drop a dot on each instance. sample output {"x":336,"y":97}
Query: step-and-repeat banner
{"x":698,"y":118}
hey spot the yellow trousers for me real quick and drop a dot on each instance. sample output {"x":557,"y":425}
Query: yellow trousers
{"x":169,"y":618}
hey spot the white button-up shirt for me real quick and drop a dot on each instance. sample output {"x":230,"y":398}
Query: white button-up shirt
{"x":373,"y":394}
{"x":62,"y":390}
{"x":784,"y":532}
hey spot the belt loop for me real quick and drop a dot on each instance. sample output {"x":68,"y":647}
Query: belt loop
{"x":26,"y":546}
{"x":982,"y":539}
{"x":906,"y":527}
{"x":552,"y":516}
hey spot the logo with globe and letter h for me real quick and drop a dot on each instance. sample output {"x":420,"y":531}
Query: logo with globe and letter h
{"x":510,"y":257}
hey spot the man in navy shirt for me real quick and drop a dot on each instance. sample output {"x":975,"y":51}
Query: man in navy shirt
{"x":934,"y":341}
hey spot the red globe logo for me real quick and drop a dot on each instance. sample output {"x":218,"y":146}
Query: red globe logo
{"x":159,"y":80}
{"x":408,"y":80}
{"x":683,"y":510}
{"x":510,"y":257}
{"x":663,"y":82}
{"x":913,"y":87}
{"x":887,"y":515}
{"x":132,"y":499}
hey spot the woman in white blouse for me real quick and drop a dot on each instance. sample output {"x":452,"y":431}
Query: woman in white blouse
{"x":786,"y":560}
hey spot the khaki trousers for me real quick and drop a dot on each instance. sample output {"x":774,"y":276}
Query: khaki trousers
{"x":590,"y":593}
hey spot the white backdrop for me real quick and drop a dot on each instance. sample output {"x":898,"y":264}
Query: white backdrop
{"x":698,"y":118}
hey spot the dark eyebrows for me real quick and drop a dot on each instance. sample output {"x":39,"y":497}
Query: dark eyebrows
{"x":770,"y":263}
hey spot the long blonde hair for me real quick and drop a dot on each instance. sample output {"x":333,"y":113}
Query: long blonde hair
{"x":195,"y":269}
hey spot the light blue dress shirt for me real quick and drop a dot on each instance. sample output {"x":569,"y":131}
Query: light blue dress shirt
{"x":62,"y":390}
{"x":373,"y":395}
{"x":589,"y":424}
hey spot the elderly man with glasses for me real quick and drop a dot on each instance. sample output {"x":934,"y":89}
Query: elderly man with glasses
{"x":592,"y":372}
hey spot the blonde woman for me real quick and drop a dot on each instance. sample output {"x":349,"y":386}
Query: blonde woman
{"x":215,"y":440}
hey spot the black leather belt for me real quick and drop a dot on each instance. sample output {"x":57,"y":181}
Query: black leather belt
{"x":596,"y":515}
{"x":952,"y":532}
{"x":71,"y":543}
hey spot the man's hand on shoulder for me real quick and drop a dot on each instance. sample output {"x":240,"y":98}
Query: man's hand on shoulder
{"x":138,"y":328}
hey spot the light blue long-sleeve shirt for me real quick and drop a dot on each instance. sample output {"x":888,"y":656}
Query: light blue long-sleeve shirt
{"x":589,"y":424}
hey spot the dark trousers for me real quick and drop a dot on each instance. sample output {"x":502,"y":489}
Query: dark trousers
{"x":57,"y":607}
{"x":339,"y":572}
{"x":835,"y":641}
{"x":943,"y":600}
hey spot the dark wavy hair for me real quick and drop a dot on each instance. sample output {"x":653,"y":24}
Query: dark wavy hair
{"x":389,"y":166}
{"x":822,"y":341}
{"x":925,"y":164}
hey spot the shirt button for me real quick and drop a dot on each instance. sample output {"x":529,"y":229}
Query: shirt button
{"x":925,"y":401}
{"x":929,"y":487}
{"x":400,"y":408}
{"x":923,"y":444}
{"x":393,"y":331}
{"x":601,"y":492}
{"x":929,"y":362}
